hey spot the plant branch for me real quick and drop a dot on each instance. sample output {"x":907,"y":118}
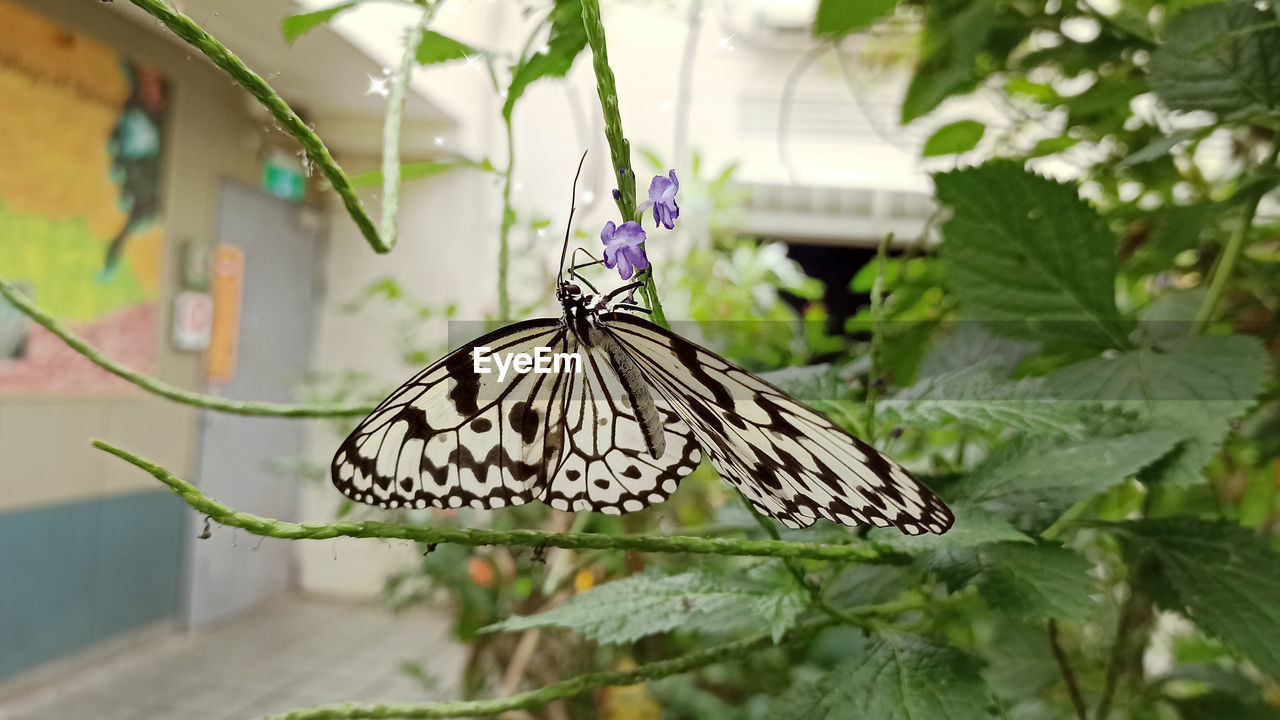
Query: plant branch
{"x":1068,"y":675}
{"x":185,"y":28}
{"x":269,"y":527}
{"x":877,"y":338}
{"x":619,"y":146}
{"x":542,"y":696}
{"x":391,"y":130}
{"x":163,"y":389}
{"x":1235,"y":245}
{"x":504,"y":234}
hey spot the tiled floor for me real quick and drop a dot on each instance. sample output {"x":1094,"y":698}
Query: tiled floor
{"x":290,"y":654}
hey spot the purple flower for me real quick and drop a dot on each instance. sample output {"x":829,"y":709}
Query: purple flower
{"x":624,"y":247}
{"x":662,"y":198}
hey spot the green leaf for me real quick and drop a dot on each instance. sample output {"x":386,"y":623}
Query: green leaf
{"x":952,"y":138}
{"x":1027,"y":255}
{"x":296,"y":26}
{"x":1053,"y":146}
{"x":970,"y":344}
{"x":1035,"y":581}
{"x":419,"y":170}
{"x":1224,"y":58}
{"x":978,"y":396}
{"x":974,"y":526}
{"x":568,"y":38}
{"x":1222,"y":576}
{"x":1033,"y":480}
{"x":1161,"y":146}
{"x":837,"y":18}
{"x":437,"y":48}
{"x":954,"y":36}
{"x":1193,"y":386}
{"x":900,"y":677}
{"x":626,"y":610}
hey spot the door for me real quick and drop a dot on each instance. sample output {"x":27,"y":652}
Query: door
{"x":244,"y":461}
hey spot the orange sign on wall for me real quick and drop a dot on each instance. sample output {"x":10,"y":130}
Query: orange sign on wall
{"x":227,"y":289}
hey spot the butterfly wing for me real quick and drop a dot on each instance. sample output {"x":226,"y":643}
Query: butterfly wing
{"x":452,"y":437}
{"x":790,"y":461}
{"x":607,"y":465}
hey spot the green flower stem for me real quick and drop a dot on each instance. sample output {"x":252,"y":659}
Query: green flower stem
{"x":188,"y":30}
{"x":391,"y":130}
{"x":1231,"y":253}
{"x":504,"y":234}
{"x":165,"y":390}
{"x":268,"y":527}
{"x":542,"y":696}
{"x":877,"y":338}
{"x":619,"y":146}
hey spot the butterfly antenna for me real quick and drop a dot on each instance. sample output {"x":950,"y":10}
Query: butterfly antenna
{"x":568,"y":226}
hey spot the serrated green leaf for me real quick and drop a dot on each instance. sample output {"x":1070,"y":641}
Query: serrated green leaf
{"x":626,"y":610}
{"x":437,"y":48}
{"x":974,"y":526}
{"x":901,"y":677}
{"x":971,"y":344}
{"x":1222,"y":576}
{"x":836,"y":18}
{"x":1019,"y":660}
{"x":1028,"y":256}
{"x":1194,"y":386}
{"x":568,"y":38}
{"x":1223,"y":57}
{"x":1032,"y":480}
{"x":977,"y":396}
{"x":952,"y":138}
{"x":298,"y":25}
{"x":1036,"y":581}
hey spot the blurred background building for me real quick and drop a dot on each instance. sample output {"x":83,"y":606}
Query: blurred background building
{"x":136,"y":180}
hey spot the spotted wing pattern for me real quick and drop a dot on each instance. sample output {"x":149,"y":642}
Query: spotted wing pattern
{"x":451,"y":437}
{"x":790,"y":461}
{"x":606,"y":466}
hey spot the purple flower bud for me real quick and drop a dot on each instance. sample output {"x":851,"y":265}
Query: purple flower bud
{"x":617,"y":194}
{"x":624,"y":247}
{"x":662,"y":198}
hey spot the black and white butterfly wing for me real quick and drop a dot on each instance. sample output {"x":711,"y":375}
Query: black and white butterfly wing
{"x":790,"y":461}
{"x":452,"y":437}
{"x":607,"y":464}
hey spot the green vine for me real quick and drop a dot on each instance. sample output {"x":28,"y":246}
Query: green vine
{"x":555,"y":691}
{"x":163,"y":389}
{"x":269,"y":527}
{"x":185,"y":28}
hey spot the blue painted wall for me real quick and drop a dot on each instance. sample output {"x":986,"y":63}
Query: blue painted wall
{"x":76,"y":573}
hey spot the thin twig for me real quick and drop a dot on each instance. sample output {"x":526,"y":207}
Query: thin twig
{"x":185,"y":28}
{"x":504,"y":232}
{"x":163,"y":389}
{"x":784,"y":107}
{"x":270,"y":527}
{"x":1068,"y":675}
{"x":1235,"y":244}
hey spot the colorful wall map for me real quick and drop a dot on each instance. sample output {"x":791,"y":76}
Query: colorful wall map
{"x":81,"y":144}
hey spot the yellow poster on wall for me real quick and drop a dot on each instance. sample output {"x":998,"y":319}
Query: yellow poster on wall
{"x":81,"y":141}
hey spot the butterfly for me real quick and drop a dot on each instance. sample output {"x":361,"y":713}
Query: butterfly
{"x":617,"y":433}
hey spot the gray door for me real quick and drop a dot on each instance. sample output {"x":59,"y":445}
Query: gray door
{"x":244,"y":461}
